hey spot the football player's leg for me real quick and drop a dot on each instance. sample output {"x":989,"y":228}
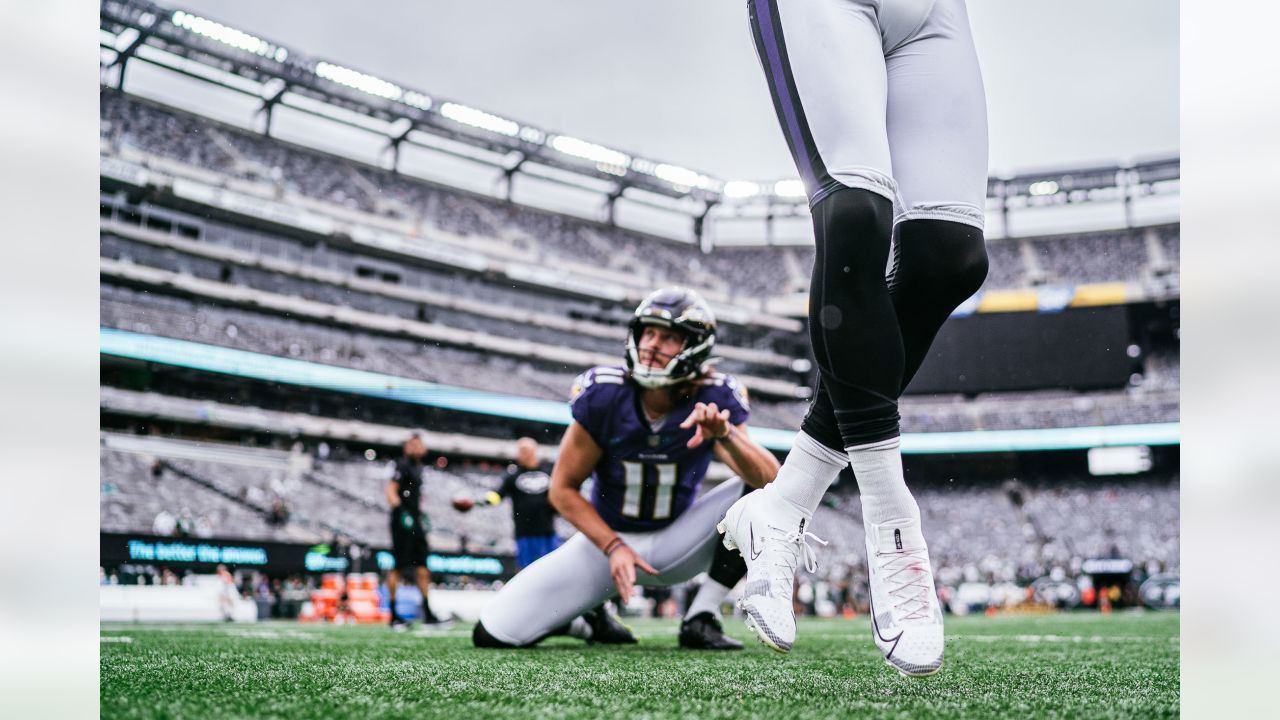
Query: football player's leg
{"x":393,"y":584}
{"x":700,"y":628}
{"x":937,"y":121}
{"x":727,"y":569}
{"x":545,"y":596}
{"x":686,"y":547}
{"x":824,"y":62}
{"x":937,"y":130}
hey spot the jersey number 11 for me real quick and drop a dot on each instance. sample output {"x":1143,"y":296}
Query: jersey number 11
{"x":664,"y":497}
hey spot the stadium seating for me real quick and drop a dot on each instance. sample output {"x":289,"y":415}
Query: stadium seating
{"x":550,"y":239}
{"x":975,"y":532}
{"x":132,"y":497}
{"x":977,"y":535}
{"x":126,"y":309}
{"x":214,"y":496}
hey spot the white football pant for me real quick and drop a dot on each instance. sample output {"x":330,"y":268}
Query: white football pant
{"x":574,"y":578}
{"x":883,"y":95}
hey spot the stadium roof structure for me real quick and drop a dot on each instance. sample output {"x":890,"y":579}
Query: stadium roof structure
{"x":277,"y":75}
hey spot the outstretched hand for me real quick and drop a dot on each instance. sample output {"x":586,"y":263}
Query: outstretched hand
{"x":622,"y":565}
{"x":711,"y":423}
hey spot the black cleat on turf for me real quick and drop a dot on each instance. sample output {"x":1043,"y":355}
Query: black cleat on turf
{"x":481,"y":638}
{"x":432,"y":622}
{"x":704,"y":632}
{"x":606,"y":629}
{"x":398,"y":623}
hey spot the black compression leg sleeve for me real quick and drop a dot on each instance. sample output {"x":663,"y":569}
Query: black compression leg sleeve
{"x":938,"y":265}
{"x":820,"y":422}
{"x":852,"y":323}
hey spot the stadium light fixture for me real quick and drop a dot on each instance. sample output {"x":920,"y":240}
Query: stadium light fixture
{"x":788,"y":188}
{"x":590,"y":151}
{"x":1044,"y":187}
{"x":682,"y":177}
{"x":641,"y":165}
{"x":413,"y":98}
{"x":479,"y":118}
{"x":357,"y":80}
{"x":741,"y":189}
{"x":532,"y":135}
{"x":228,"y":35}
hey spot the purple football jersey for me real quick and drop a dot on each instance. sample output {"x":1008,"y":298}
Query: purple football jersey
{"x":646,"y":477}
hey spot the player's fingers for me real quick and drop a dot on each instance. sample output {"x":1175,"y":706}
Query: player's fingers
{"x":694,"y":416}
{"x":696,"y":440}
{"x":645,"y":566}
{"x":620,"y":581}
{"x":724,"y":414}
{"x":629,"y":580}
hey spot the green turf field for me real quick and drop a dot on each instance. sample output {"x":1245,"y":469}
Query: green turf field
{"x":1067,"y":666}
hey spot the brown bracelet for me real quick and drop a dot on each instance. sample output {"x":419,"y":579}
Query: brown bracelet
{"x":613,"y":544}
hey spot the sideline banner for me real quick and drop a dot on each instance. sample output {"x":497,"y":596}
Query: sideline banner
{"x":278,"y":557}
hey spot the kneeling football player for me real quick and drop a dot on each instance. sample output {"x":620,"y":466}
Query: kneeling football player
{"x":646,"y":433}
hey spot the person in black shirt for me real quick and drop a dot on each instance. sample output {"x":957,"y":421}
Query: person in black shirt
{"x":526,"y":483}
{"x":409,"y":529}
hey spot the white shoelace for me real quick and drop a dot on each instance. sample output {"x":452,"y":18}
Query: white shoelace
{"x":914,"y":582}
{"x":800,"y":541}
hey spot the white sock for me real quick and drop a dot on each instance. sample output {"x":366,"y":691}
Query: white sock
{"x":709,"y":598}
{"x":885,"y":497}
{"x":805,"y":475}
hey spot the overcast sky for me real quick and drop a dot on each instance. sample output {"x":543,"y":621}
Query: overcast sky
{"x":1068,"y":83}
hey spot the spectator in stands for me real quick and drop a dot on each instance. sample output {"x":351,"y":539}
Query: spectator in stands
{"x":279,"y":514}
{"x":526,"y":483}
{"x":409,"y":526}
{"x":185,"y":524}
{"x":165,"y":524}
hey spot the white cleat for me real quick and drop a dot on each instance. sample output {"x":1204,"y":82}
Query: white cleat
{"x":906,"y":619}
{"x":772,"y":539}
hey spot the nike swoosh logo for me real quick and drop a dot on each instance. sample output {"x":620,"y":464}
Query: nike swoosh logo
{"x":754,"y":553}
{"x":876,"y":626}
